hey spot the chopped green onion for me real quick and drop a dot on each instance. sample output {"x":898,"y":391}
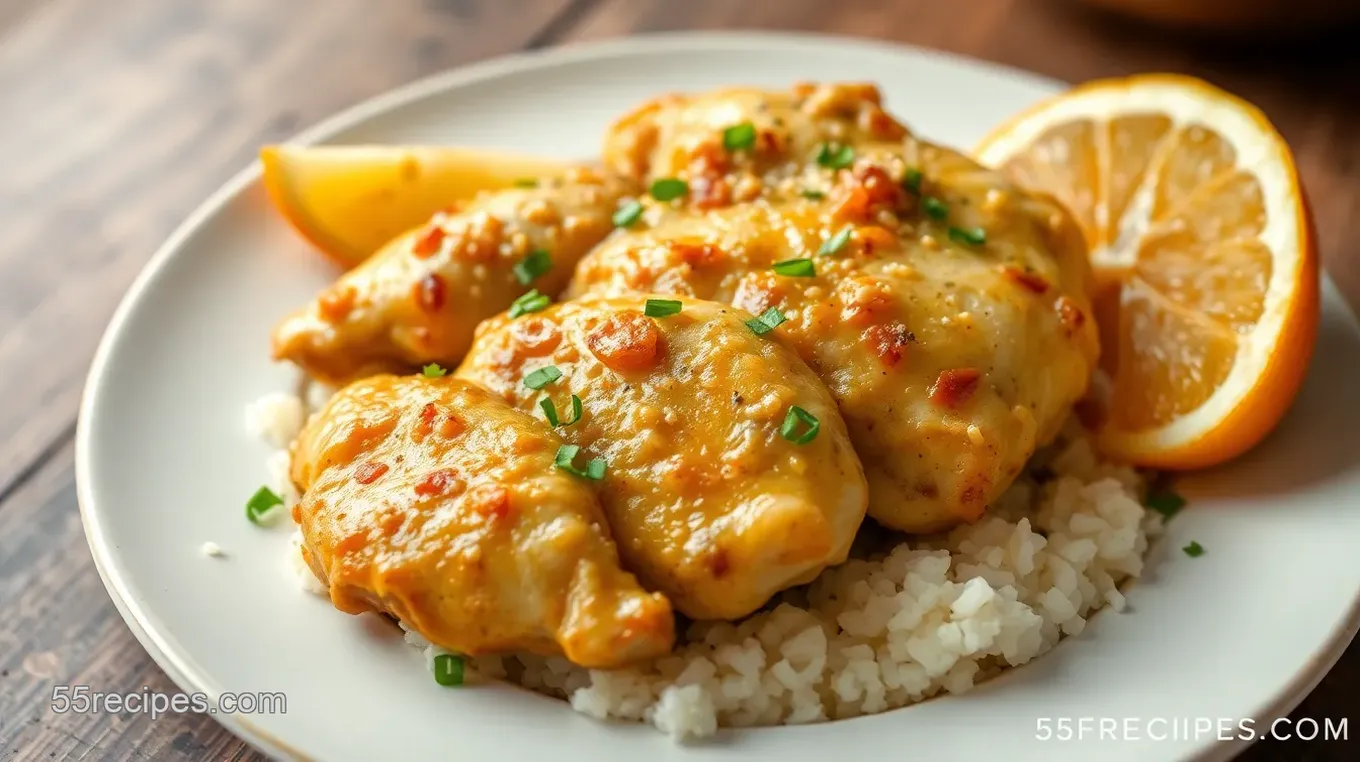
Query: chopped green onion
{"x":550,"y":411}
{"x":669,"y":189}
{"x":542,"y":377}
{"x":628,"y":214}
{"x":768,"y":321}
{"x":836,"y":242}
{"x":1194,"y":549}
{"x":594,"y":470}
{"x":532,"y":266}
{"x":1167,"y":503}
{"x":912,"y":180}
{"x":838,"y":157}
{"x":934,"y":207}
{"x":739,"y":136}
{"x":797,"y":415}
{"x":448,"y":670}
{"x":815,"y":195}
{"x":796,"y":268}
{"x":662,"y":307}
{"x":261,"y":504}
{"x":530,"y":302}
{"x":526,"y":182}
{"x":434,"y":370}
{"x":970,"y":236}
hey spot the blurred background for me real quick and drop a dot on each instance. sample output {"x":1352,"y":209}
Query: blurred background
{"x":118,"y":117}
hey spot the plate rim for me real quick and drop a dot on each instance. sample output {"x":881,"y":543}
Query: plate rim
{"x":177,"y":665}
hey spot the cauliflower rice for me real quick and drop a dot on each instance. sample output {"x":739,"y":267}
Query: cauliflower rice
{"x":883,"y":630}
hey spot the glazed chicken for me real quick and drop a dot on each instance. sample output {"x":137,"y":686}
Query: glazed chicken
{"x":730,"y":475}
{"x":418,"y":300}
{"x":946,"y":310}
{"x":436,"y":502}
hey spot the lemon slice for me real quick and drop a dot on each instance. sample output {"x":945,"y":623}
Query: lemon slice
{"x":1204,"y":250}
{"x":350,"y":200}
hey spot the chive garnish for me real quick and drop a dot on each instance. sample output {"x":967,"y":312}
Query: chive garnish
{"x":815,"y":195}
{"x":526,"y":182}
{"x":550,"y":411}
{"x":628,"y":214}
{"x":796,"y":416}
{"x":261,"y":504}
{"x":912,"y":180}
{"x":768,"y":321}
{"x":934,"y":207}
{"x":542,"y":377}
{"x":739,"y":137}
{"x":530,"y":302}
{"x":669,"y":189}
{"x":796,"y":268}
{"x":434,"y":370}
{"x":1167,"y":503}
{"x":1194,"y":549}
{"x":835,"y":157}
{"x":970,"y":236}
{"x":448,"y":670}
{"x":662,"y":307}
{"x":594,"y":470}
{"x":532,"y":266}
{"x":836,"y":242}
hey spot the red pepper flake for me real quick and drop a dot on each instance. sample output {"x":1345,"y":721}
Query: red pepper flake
{"x":1070,"y":314}
{"x":878,"y":184}
{"x":336,"y":303}
{"x":769,"y":143}
{"x":709,"y":160}
{"x":697,"y":254}
{"x":430,"y":243}
{"x":1032,"y":281}
{"x":440,"y":482}
{"x":489,"y":500}
{"x":427,"y":416}
{"x":954,"y":387}
{"x":889,"y":342}
{"x":710,"y":193}
{"x":626,"y":341}
{"x":429,"y":292}
{"x":368,"y":472}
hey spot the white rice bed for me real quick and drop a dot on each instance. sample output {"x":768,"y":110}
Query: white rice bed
{"x":933,"y":616}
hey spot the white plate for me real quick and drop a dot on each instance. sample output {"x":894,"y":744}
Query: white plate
{"x":164,"y":464}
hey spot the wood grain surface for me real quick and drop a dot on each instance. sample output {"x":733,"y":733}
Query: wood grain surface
{"x":117,"y":118}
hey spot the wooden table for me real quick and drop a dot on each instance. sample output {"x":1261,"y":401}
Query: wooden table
{"x":117,"y":118}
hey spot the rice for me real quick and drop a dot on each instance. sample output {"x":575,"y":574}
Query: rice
{"x":276,"y":418}
{"x":929,"y":616}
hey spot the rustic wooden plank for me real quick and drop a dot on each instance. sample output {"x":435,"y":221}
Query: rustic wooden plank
{"x":121,"y":117}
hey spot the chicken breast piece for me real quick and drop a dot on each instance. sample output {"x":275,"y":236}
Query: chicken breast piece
{"x":946,"y":309}
{"x":715,"y":497}
{"x":418,"y":300}
{"x":436,"y":502}
{"x":774,"y":134}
